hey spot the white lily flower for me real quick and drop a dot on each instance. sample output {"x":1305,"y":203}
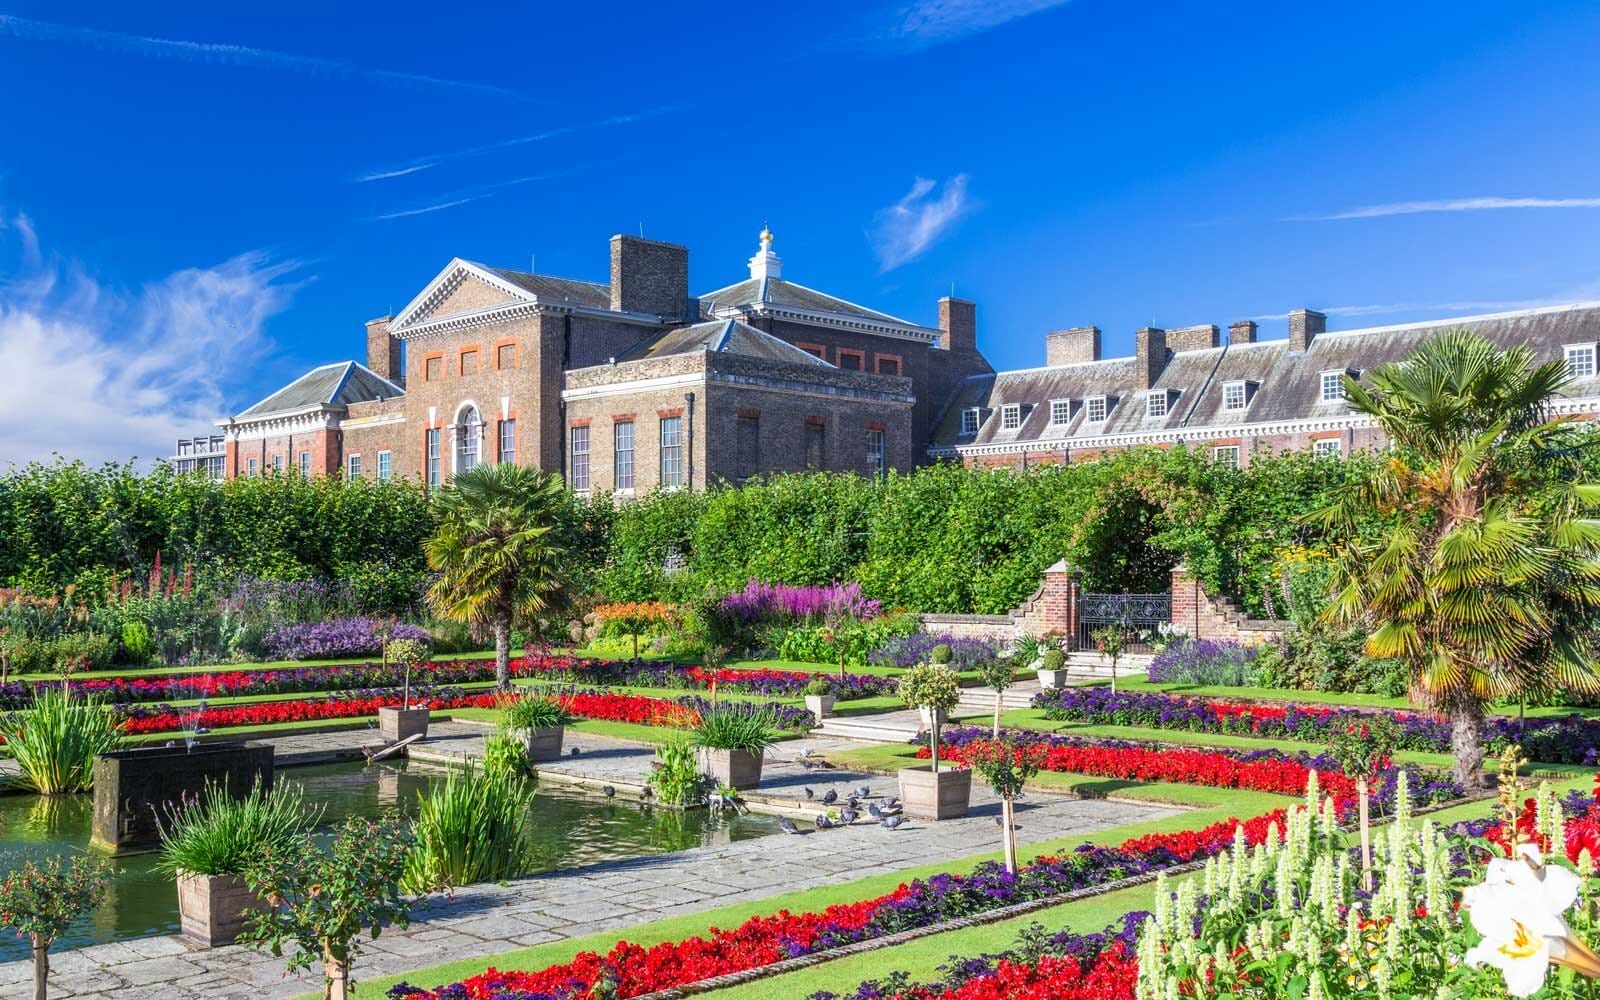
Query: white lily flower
{"x":1519,"y":911}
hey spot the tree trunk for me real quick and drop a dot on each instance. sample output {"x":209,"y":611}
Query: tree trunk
{"x":1008,"y":823}
{"x":336,"y":975}
{"x":933,"y":738}
{"x":1466,"y":738}
{"x":1366,"y":835}
{"x":1113,"y":675}
{"x":997,"y":695}
{"x":502,"y":655}
{"x":41,"y":970}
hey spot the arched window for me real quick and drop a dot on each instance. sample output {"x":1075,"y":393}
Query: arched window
{"x":469,"y":439}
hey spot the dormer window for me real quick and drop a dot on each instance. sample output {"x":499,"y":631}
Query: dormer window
{"x":1580,"y":360}
{"x":970,"y":419}
{"x":1237,"y":395}
{"x":1095,"y":409}
{"x":1060,"y":411}
{"x":1010,"y":416}
{"x":1333,"y":386}
{"x":1158,"y":403}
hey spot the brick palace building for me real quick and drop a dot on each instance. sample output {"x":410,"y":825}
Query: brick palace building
{"x":635,"y":383}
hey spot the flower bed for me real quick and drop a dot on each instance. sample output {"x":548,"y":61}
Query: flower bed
{"x":1572,"y":739}
{"x":339,"y":637}
{"x":966,"y":653}
{"x":1254,"y":770}
{"x":762,"y":940}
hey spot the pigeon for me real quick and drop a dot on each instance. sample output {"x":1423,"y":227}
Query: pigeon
{"x":890,"y":802}
{"x":608,"y":791}
{"x":830,"y":797}
{"x":809,"y":793}
{"x":1002,"y":824}
{"x":847,"y":816}
{"x":573,"y":752}
{"x":863,"y":792}
{"x":853,"y":802}
{"x":787,"y":825}
{"x":891,"y":822}
{"x":823,"y":822}
{"x":874,"y":811}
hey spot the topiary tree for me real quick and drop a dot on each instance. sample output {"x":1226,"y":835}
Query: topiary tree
{"x":935,"y":687}
{"x":42,"y":901}
{"x":998,"y":672}
{"x":1006,"y":766}
{"x":1363,"y":749}
{"x":409,"y":653}
{"x":1112,"y":641}
{"x":327,"y":899}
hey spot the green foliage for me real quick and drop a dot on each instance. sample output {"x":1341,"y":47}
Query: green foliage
{"x":505,"y":756}
{"x":1365,"y":747}
{"x":531,"y":712}
{"x":472,"y":827}
{"x":1004,"y":765}
{"x":819,"y":687}
{"x":930,"y":685}
{"x":851,"y":642}
{"x":54,"y":742}
{"x":940,"y":653}
{"x":406,"y":652}
{"x":734,"y":728}
{"x":999,"y":672}
{"x":43,"y":900}
{"x":329,"y":894}
{"x":676,"y":777}
{"x":1052,"y":658}
{"x":137,"y":645}
{"x":218,"y":834}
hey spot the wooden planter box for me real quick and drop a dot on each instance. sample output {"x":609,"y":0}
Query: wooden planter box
{"x":737,"y":769}
{"x":820,"y":705}
{"x":1052,"y":678}
{"x":926,"y":795}
{"x":542,"y":745}
{"x":396,"y":724}
{"x":212,"y":908}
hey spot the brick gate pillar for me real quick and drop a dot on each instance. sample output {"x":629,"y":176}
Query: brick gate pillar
{"x":1186,"y":599}
{"x":1062,"y":590}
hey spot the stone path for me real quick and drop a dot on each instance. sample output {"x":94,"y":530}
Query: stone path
{"x":483,"y":921}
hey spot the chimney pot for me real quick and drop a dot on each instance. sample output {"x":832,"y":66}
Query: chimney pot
{"x":1072,"y":347}
{"x":1304,"y":325}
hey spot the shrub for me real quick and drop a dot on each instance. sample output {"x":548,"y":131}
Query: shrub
{"x":453,"y":637}
{"x":41,"y":902}
{"x":676,"y":778}
{"x":503,"y":755}
{"x":728,"y":728}
{"x":470,"y":828}
{"x":136,"y":643}
{"x":940,"y":653}
{"x":1205,"y":662}
{"x":55,"y":741}
{"x":218,"y":834}
{"x":528,"y":712}
{"x":771,"y":603}
{"x":1053,"y":659}
{"x":340,"y":637}
{"x":819,"y":687}
{"x":932,"y":686}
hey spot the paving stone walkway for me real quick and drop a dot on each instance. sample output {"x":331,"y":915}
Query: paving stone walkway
{"x":483,"y":921}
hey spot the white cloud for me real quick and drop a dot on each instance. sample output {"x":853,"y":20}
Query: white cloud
{"x":921,"y":24}
{"x":407,"y":213}
{"x":383,"y":175}
{"x":904,"y":230}
{"x":234,"y":55}
{"x":97,"y":373}
{"x":1446,"y":205}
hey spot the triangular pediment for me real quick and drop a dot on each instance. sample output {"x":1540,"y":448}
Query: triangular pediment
{"x":462,"y":287}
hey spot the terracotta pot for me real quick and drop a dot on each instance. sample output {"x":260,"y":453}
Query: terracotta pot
{"x":820,"y":705}
{"x":542,"y":744}
{"x":738,"y":769}
{"x":396,"y":724}
{"x":926,"y":795}
{"x":212,"y":908}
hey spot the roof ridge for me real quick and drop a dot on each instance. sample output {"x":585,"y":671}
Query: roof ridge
{"x":349,"y":369}
{"x":1479,"y":318}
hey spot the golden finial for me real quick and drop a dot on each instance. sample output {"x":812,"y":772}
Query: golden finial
{"x":766,"y":235}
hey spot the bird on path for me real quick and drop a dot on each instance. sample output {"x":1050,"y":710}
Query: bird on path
{"x":830,"y":797}
{"x":787,"y":825}
{"x":863,"y":792}
{"x":848,"y":816}
{"x":823,"y":822}
{"x":574,"y":751}
{"x":890,"y":802}
{"x":874,"y":811}
{"x":853,"y":802}
{"x":809,"y":793}
{"x":891,"y":822}
{"x":1002,"y":824}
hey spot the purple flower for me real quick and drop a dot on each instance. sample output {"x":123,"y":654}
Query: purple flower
{"x":330,"y":639}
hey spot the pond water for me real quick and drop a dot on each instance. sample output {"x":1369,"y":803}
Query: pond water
{"x":568,"y":829}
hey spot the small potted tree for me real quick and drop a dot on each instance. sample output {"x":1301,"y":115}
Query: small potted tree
{"x":327,"y":899}
{"x":40,"y":902}
{"x":1052,"y":668}
{"x":1006,"y":766}
{"x":401,"y":723}
{"x":1112,"y":641}
{"x":999,"y":673}
{"x":820,"y":698}
{"x":536,"y":724}
{"x":929,"y":793}
{"x":208,"y":842}
{"x":730,"y":742}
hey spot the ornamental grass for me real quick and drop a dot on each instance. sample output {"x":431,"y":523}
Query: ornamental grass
{"x":55,"y":742}
{"x":217,"y":834}
{"x":472,"y":827}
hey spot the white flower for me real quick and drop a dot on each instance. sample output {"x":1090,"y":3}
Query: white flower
{"x":1518,"y":910}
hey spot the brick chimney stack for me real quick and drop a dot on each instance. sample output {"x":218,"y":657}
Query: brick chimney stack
{"x":1072,"y":347}
{"x":648,"y":276}
{"x":1242,"y":332}
{"x":1193,"y":338}
{"x":958,"y":321}
{"x":1151,"y":347}
{"x":1304,"y":325}
{"x":384,"y":351}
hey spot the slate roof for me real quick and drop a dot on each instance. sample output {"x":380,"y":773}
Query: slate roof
{"x":338,"y":384}
{"x":723,"y":336}
{"x":778,"y":292}
{"x":1283,"y":385}
{"x":590,"y":293}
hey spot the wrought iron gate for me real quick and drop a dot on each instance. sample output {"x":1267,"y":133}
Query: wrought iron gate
{"x":1140,"y":614}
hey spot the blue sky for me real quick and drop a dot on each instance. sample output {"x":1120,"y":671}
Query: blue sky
{"x":200,"y":201}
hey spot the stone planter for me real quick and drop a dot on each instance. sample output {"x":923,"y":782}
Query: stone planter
{"x":1052,"y":678}
{"x":542,"y":745}
{"x":396,"y":724}
{"x":926,"y":795}
{"x":212,"y":908}
{"x":737,"y":769}
{"x":820,"y":705}
{"x":133,"y":787}
{"x":932,"y":716}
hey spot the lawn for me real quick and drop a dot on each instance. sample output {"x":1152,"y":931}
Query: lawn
{"x":1137,"y":682}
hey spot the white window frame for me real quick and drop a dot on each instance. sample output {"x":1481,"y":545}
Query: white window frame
{"x":1091,"y":403}
{"x":1226,"y":454}
{"x":1327,"y":448}
{"x":670,"y":461}
{"x":277,"y":463}
{"x":305,"y":463}
{"x":1010,"y":416}
{"x":1060,"y":412}
{"x":971,"y":420}
{"x":1235,"y":395}
{"x":352,"y":465}
{"x":505,"y":446}
{"x":1586,"y":351}
{"x":251,"y":466}
{"x":385,"y":466}
{"x":622,"y":469}
{"x":578,"y":458}
{"x":1154,"y":397}
{"x":877,"y":453}
{"x":1337,"y":386}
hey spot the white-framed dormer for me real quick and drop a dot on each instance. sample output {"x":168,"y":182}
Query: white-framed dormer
{"x":1060,"y":412}
{"x":1330,"y":385}
{"x":1238,"y":394}
{"x":1010,"y":416}
{"x":1580,"y":360}
{"x":1158,"y":403}
{"x":971,"y":419}
{"x":1096,"y":409}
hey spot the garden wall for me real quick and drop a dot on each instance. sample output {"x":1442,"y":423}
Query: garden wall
{"x":1206,"y":617}
{"x":1053,"y":608}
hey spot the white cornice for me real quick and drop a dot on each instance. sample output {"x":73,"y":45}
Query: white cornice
{"x":860,"y":324}
{"x":303,"y":421}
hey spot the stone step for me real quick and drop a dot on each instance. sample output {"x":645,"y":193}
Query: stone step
{"x":864,"y":729}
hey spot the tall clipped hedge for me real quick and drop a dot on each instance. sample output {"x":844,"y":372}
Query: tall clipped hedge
{"x":942,"y":538}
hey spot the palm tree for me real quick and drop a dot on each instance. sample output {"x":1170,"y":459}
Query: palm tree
{"x":1467,"y":554}
{"x":496,"y":552}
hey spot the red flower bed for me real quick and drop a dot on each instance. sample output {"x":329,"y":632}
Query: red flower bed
{"x":1112,"y":976}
